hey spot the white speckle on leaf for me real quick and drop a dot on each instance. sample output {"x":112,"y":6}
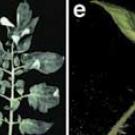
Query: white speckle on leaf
{"x":36,"y":64}
{"x":25,"y":32}
{"x":56,"y":93}
{"x":16,"y":38}
{"x":5,"y":22}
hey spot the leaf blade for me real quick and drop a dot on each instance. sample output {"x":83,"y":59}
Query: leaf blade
{"x":45,"y":63}
{"x":24,"y":14}
{"x":124,"y":19}
{"x":43,"y":97}
{"x":31,"y":126}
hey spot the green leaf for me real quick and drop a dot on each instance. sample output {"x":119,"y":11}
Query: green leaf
{"x":20,"y":83}
{"x":1,"y":118}
{"x":6,"y":83}
{"x":123,"y":18}
{"x":6,"y":56}
{"x":34,"y":127}
{"x":16,"y":61}
{"x":46,"y":63}
{"x":24,"y":44}
{"x":20,"y":91}
{"x":19,"y":86}
{"x":3,"y":54}
{"x":6,"y":119}
{"x":24,"y":15}
{"x":3,"y":85}
{"x":19,"y":72}
{"x":19,"y":118}
{"x":5,"y":64}
{"x":7,"y":108}
{"x":43,"y":97}
{"x":15,"y":104}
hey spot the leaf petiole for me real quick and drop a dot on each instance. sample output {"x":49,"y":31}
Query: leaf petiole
{"x":21,"y":67}
{"x":5,"y":97}
{"x":6,"y":71}
{"x":22,"y":97}
{"x":4,"y":121}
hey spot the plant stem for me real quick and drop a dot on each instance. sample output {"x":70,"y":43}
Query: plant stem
{"x":11,"y":112}
{"x":117,"y":128}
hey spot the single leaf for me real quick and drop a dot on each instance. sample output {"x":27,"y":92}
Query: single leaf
{"x":24,"y":15}
{"x":6,"y":83}
{"x":20,"y":91}
{"x":24,"y":44}
{"x":20,"y":86}
{"x":5,"y":119}
{"x":43,"y":97}
{"x":34,"y":127}
{"x":4,"y":55}
{"x":16,"y":61}
{"x":46,"y":63}
{"x":5,"y":64}
{"x":19,"y":72}
{"x":2,"y":88}
{"x":20,"y":83}
{"x":3,"y":85}
{"x":7,"y":108}
{"x":15,"y":104}
{"x":19,"y":118}
{"x":123,"y":18}
{"x":1,"y":118}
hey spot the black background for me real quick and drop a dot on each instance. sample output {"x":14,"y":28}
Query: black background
{"x":48,"y":36}
{"x":102,"y":77}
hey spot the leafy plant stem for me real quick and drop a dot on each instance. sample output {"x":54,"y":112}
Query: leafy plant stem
{"x":14,"y":62}
{"x":11,"y":112}
{"x":117,"y":128}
